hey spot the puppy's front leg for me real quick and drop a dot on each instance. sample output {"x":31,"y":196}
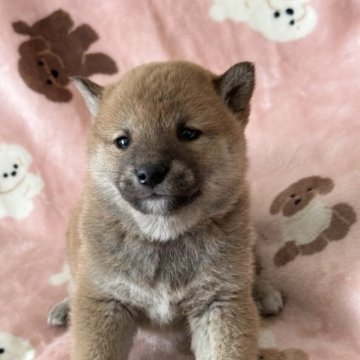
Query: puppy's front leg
{"x":226,"y":331}
{"x":101,"y":329}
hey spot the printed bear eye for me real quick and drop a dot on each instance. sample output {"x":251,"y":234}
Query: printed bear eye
{"x":292,"y":22}
{"x":276,"y":14}
{"x":292,"y":195}
{"x":16,"y":166}
{"x":5,"y":175}
{"x":54,"y":73}
{"x":189,"y":134}
{"x":40,"y":63}
{"x":309,"y":189}
{"x":122,"y":142}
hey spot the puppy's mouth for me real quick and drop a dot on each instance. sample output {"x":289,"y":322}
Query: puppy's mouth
{"x":162,"y":203}
{"x":160,"y":196}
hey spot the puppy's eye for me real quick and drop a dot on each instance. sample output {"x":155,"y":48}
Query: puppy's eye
{"x":5,"y":175}
{"x":189,"y":134}
{"x":122,"y":142}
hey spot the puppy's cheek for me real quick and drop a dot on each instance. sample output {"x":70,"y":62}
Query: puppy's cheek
{"x":182,"y":180}
{"x":181,"y":184}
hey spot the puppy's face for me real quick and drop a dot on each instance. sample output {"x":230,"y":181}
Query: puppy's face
{"x":170,"y":136}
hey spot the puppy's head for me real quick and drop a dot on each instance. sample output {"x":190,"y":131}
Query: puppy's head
{"x":14,"y":163}
{"x":169,"y":137}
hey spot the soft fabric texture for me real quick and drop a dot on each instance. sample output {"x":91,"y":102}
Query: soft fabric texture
{"x":303,"y":139}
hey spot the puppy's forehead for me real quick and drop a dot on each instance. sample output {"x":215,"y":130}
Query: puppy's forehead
{"x":160,"y":91}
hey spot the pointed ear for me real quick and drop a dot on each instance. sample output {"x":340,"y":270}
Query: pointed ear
{"x":236,"y":86}
{"x":90,"y":91}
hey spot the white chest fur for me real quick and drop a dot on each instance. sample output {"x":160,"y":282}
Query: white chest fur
{"x":157,"y":303}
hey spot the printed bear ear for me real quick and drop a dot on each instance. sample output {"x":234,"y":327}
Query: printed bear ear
{"x":278,"y":202}
{"x":324,"y":185}
{"x":22,"y":27}
{"x":90,"y":91}
{"x":236,"y":86}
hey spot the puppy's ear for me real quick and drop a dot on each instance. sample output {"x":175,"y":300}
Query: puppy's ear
{"x":91,"y":93}
{"x":237,"y":85}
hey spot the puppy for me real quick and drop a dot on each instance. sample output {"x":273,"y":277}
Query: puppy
{"x":162,"y":236}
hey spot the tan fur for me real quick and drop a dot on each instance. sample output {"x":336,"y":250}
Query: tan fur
{"x":189,"y":267}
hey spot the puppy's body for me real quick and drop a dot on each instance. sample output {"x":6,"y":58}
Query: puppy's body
{"x":176,"y":251}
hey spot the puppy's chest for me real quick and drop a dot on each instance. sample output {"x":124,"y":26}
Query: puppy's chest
{"x":159,"y":304}
{"x":154,"y":280}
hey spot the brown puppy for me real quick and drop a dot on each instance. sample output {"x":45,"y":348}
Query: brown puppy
{"x":162,"y":236}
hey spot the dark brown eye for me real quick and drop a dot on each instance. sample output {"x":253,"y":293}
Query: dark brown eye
{"x":189,"y":134}
{"x":309,"y":189}
{"x":122,"y":142}
{"x":40,"y":63}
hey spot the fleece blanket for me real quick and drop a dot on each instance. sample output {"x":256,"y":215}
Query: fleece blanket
{"x":303,"y":139}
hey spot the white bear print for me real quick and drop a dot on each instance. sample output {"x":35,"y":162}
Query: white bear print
{"x":17,"y":185}
{"x":278,"y":20}
{"x":266,"y":339}
{"x":63,"y":277}
{"x":15,"y":348}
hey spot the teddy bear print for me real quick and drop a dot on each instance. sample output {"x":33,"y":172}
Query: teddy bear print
{"x":268,"y":346}
{"x":288,"y":354}
{"x":17,"y":185}
{"x":308,"y":224}
{"x":278,"y":20}
{"x":15,"y":348}
{"x":55,"y":52}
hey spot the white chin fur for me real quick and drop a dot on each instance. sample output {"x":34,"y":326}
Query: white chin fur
{"x":164,"y":228}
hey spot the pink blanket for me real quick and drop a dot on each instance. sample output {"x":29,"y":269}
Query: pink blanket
{"x":303,"y":139}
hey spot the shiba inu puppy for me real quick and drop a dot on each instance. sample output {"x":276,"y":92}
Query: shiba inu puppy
{"x":162,"y":236}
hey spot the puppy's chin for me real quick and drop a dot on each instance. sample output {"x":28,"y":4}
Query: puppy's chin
{"x":163,"y":205}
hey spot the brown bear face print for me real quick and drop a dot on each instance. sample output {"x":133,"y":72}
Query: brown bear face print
{"x":48,"y":75}
{"x":55,"y":52}
{"x":298,"y":195}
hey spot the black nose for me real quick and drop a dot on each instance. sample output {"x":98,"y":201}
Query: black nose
{"x":151,"y":174}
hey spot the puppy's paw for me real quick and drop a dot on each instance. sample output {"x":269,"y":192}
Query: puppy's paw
{"x":268,"y":300}
{"x":59,"y":314}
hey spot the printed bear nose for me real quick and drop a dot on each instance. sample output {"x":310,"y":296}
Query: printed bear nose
{"x":297,"y":202}
{"x":54,"y":73}
{"x":151,"y":174}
